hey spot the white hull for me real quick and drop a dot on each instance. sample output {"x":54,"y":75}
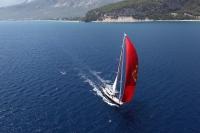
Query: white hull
{"x":112,"y":97}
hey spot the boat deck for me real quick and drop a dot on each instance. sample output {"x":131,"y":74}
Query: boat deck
{"x":113,"y":98}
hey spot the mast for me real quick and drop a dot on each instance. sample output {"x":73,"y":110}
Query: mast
{"x":122,"y":60}
{"x":119,"y":69}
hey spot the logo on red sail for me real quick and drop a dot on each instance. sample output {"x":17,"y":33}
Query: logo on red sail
{"x":135,"y":73}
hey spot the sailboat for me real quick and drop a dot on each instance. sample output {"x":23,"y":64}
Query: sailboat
{"x":128,"y":81}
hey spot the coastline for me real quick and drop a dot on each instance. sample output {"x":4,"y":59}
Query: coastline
{"x":130,"y":19}
{"x":120,"y":20}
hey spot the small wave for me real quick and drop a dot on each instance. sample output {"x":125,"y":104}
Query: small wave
{"x":62,"y":72}
{"x":102,"y":80}
{"x":96,"y":72}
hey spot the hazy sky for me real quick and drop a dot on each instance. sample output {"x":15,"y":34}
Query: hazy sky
{"x":10,"y":2}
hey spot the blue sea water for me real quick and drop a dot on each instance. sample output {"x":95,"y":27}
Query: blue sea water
{"x":51,"y":75}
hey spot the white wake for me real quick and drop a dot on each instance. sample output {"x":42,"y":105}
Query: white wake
{"x":97,"y":82}
{"x":62,"y":72}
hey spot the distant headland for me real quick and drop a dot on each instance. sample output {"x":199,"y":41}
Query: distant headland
{"x":145,"y":10}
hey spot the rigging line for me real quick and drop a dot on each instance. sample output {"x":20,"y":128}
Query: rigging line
{"x":118,"y":72}
{"x":122,"y":65}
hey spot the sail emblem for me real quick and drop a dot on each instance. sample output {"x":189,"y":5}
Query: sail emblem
{"x":135,"y":73}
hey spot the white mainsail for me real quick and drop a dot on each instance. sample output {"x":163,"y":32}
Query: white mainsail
{"x":114,"y":85}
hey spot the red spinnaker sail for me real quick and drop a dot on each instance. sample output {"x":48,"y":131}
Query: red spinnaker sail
{"x":131,"y":71}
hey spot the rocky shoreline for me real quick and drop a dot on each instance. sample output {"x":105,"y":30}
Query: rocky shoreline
{"x":130,"y":19}
{"x":122,"y":19}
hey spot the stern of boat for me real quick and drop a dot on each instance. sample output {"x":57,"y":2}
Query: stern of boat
{"x":111,"y":97}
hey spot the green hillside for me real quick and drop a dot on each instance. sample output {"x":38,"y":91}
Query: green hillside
{"x":151,"y":9}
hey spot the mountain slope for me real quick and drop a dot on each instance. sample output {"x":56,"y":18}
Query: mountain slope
{"x":44,"y":9}
{"x":147,"y":9}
